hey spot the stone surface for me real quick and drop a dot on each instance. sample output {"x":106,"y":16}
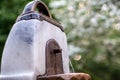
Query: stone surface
{"x":24,"y":50}
{"x":68,"y":76}
{"x":37,"y":49}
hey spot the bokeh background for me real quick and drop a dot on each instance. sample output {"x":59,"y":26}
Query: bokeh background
{"x":92,"y":28}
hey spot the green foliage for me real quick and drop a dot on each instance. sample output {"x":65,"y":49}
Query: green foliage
{"x":93,"y":31}
{"x":9,"y":10}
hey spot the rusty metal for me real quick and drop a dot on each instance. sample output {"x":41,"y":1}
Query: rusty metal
{"x":42,"y":14}
{"x":54,"y":63}
{"x":42,"y":8}
{"x":41,"y":17}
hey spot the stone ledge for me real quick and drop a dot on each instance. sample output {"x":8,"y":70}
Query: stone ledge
{"x":68,"y":76}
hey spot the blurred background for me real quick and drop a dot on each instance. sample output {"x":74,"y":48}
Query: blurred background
{"x":92,"y":28}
